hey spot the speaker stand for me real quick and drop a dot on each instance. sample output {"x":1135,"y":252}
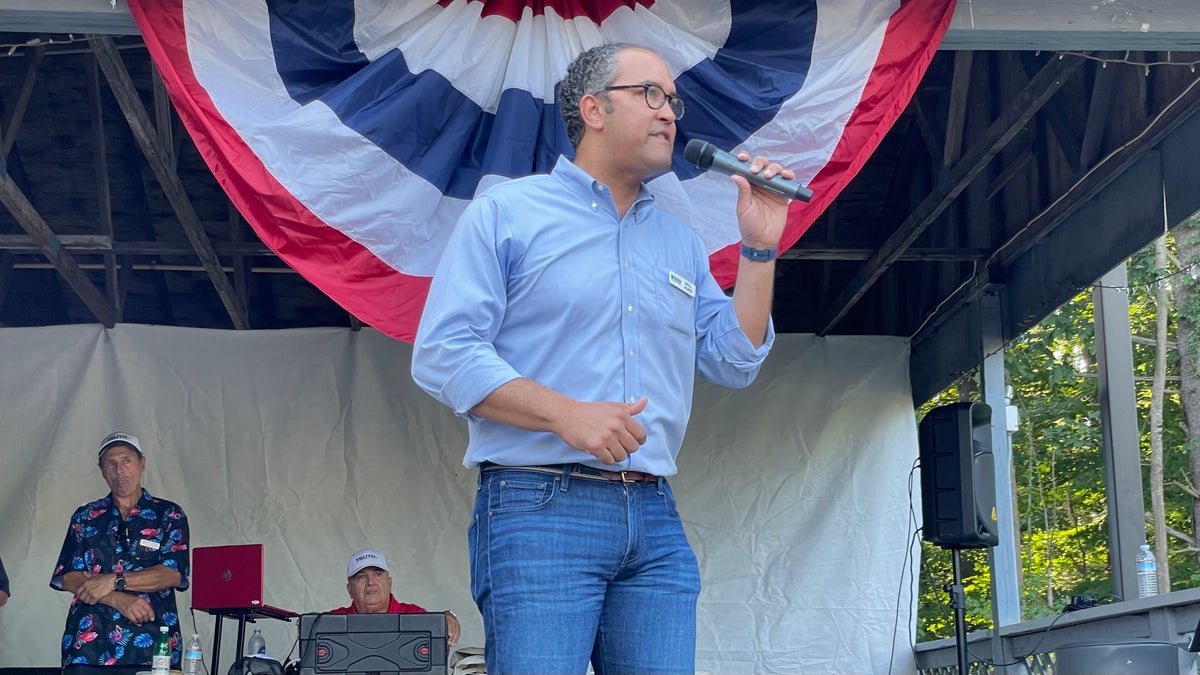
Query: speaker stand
{"x":958,"y":600}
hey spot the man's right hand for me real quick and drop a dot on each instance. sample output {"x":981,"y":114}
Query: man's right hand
{"x":95,"y":587}
{"x":606,"y":430}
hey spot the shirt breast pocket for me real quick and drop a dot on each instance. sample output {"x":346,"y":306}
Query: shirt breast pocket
{"x":676,"y":299}
{"x":148,"y":547}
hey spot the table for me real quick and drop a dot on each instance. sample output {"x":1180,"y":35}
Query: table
{"x":242,"y":614}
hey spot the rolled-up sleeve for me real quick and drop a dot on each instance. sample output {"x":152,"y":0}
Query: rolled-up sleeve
{"x":724,"y":355}
{"x":453,"y":356}
{"x":175,"y":548}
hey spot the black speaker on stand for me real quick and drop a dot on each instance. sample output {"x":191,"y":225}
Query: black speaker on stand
{"x":958,"y":493}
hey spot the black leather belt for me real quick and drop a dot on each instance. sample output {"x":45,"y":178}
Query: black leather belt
{"x":580,"y":471}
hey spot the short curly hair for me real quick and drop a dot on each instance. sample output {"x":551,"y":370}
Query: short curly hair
{"x":589,"y":73}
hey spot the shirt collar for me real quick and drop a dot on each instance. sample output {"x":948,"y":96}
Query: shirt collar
{"x":393,"y":606}
{"x":582,"y":184}
{"x":144,"y":501}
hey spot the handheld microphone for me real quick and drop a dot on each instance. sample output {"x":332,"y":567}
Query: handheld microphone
{"x":711,"y":158}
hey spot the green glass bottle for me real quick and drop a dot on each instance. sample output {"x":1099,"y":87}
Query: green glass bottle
{"x":160,"y":664}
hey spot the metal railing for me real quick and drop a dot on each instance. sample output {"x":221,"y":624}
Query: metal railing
{"x":1029,"y":647}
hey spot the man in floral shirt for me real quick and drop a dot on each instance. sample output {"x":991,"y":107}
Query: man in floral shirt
{"x":123,"y":558}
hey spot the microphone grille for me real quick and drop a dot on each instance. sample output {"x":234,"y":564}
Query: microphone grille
{"x":699,"y":152}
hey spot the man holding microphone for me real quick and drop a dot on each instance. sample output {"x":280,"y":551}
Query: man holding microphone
{"x":567,"y":322}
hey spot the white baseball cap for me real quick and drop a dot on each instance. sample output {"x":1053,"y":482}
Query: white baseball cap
{"x":368,"y":557}
{"x":120,"y":438}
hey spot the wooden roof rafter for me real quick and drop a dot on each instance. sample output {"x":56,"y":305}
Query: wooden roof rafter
{"x":158,"y":153}
{"x":1035,"y":94}
{"x":32,"y":222}
{"x":26,"y":214}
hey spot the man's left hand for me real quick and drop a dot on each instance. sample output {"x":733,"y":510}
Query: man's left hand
{"x":96,"y":587}
{"x":761,"y":214}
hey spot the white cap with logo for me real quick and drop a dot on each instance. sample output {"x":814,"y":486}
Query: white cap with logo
{"x":368,"y":557}
{"x":120,"y":438}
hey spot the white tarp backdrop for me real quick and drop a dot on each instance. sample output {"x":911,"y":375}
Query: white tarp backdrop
{"x":316,"y":443}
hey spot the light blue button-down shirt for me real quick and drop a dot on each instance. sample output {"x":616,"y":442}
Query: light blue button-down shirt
{"x":541,"y":279}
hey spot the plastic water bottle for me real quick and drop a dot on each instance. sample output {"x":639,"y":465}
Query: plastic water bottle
{"x":257,"y":645}
{"x":1147,"y":572}
{"x":160,"y":663}
{"x":193,"y":656}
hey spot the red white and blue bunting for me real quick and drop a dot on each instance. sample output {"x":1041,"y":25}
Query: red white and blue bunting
{"x":352,"y":134}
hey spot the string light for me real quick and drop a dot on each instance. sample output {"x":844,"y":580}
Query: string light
{"x":1145,"y":65}
{"x":10,"y":49}
{"x":1154,"y":283}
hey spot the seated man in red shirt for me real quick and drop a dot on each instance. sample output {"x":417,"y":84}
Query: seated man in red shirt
{"x":370,"y":586}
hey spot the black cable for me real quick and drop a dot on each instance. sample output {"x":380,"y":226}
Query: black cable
{"x":308,"y":637}
{"x":907,"y":564}
{"x":1046,"y":632}
{"x":913,"y":584}
{"x":195,"y":630}
{"x":293,"y":648}
{"x":1021,"y":660}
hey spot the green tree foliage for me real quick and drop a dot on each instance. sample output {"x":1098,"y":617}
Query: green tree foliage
{"x":1059,"y":468}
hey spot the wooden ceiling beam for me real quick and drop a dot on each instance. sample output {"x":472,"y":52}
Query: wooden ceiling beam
{"x":139,"y":122}
{"x":1095,"y":180}
{"x":978,"y":24}
{"x":1011,"y":121}
{"x":13,"y":123}
{"x":241,"y":268}
{"x":960,"y":87}
{"x":1011,"y":170}
{"x":831,"y":228}
{"x":96,"y":243}
{"x":925,"y":127}
{"x":1097,"y":116}
{"x":6,"y":268}
{"x":103,"y":188}
{"x":91,"y":244}
{"x":157,"y":267}
{"x":162,"y":118}
{"x":834,"y":252}
{"x":1101,"y":174}
{"x":32,"y":222}
{"x":1065,"y":134}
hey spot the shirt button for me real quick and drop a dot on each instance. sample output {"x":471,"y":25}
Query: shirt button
{"x":633,"y":399}
{"x":626,"y":264}
{"x":629,"y":308}
{"x":594,"y":205}
{"x":631,"y":353}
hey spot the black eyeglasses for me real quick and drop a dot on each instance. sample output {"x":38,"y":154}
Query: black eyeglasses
{"x":656,"y":98}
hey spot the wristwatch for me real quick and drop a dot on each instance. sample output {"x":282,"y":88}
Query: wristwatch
{"x":759,"y":254}
{"x":119,"y":584}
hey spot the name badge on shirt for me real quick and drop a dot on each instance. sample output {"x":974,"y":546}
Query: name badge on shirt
{"x":682,"y":284}
{"x":148,"y":545}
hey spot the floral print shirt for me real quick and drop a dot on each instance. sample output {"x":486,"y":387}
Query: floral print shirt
{"x":101,"y":542}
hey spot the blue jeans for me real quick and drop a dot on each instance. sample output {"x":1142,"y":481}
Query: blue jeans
{"x":567,"y":569}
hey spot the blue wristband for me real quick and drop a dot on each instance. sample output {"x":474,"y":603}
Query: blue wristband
{"x":759,"y":254}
